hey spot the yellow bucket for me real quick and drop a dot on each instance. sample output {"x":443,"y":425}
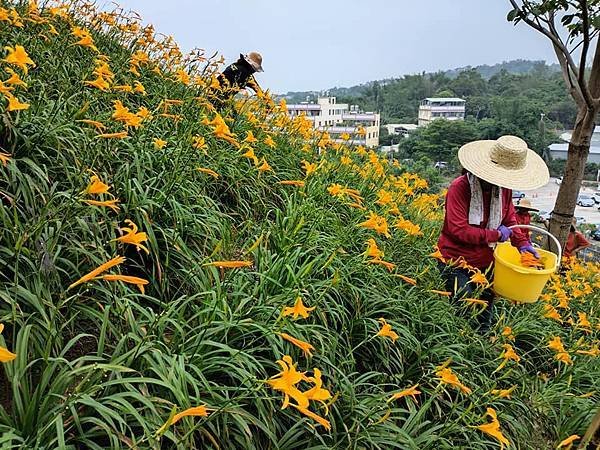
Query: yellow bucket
{"x":518,"y":283}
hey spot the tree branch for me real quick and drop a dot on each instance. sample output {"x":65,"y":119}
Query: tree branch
{"x":594,"y":82}
{"x":584,"y":50}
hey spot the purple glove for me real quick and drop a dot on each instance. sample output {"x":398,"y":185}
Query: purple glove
{"x":529,"y":248}
{"x":505,"y":233}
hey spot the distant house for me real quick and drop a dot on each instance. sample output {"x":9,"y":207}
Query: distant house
{"x":559,"y":151}
{"x":432,"y":108}
{"x":400,"y":129}
{"x":338,"y":119}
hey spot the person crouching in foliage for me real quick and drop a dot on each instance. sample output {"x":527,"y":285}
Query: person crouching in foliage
{"x":479,"y":212}
{"x":238,"y":76}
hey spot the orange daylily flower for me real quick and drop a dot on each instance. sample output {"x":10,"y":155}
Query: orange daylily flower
{"x":119,"y":135}
{"x":98,"y":125}
{"x":286,"y":381}
{"x":503,"y":393}
{"x":298,"y":310}
{"x":96,"y":186}
{"x":15,"y":79}
{"x":568,"y":442}
{"x":309,"y":168}
{"x":377,"y":223}
{"x":551,"y":313}
{"x":317,"y":393}
{"x":388,"y":265}
{"x":407,"y":279}
{"x":5,"y":355}
{"x":411,"y":391}
{"x":298,"y":183}
{"x":320,"y":420}
{"x":443,"y":293}
{"x":493,"y":428}
{"x":112,"y":204}
{"x":18,"y":57}
{"x":139,"y":282}
{"x":132,"y":236}
{"x":438,"y":255}
{"x":159,"y":144}
{"x":265,"y":167}
{"x":270,"y":142}
{"x":14,"y":104}
{"x":4,"y":158}
{"x":386,"y":330}
{"x":445,"y":375}
{"x":197,"y":411}
{"x":475,"y":301}
{"x":508,"y":354}
{"x":229,"y":264}
{"x":99,"y":270}
{"x":210,"y":172}
{"x":250,"y":139}
{"x":372,"y":250}
{"x":479,"y":278}
{"x":99,"y":83}
{"x":302,"y":345}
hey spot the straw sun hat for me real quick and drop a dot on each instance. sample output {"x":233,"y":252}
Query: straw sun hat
{"x":525,"y":203}
{"x":506,"y":162}
{"x":255,"y":60}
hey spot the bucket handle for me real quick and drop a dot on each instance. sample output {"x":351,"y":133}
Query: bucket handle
{"x":547,"y":233}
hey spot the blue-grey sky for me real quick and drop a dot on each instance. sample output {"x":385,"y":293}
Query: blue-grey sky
{"x":318,"y":44}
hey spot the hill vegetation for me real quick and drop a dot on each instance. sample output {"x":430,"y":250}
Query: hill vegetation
{"x":173,"y":276}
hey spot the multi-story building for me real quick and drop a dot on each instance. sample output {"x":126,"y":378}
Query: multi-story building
{"x":338,"y":119}
{"x":441,"y":108}
{"x":400,"y":129}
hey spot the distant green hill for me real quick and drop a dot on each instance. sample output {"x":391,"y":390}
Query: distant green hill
{"x":516,"y":67}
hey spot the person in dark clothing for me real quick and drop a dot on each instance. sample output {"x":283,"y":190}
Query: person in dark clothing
{"x":480,"y":212}
{"x":238,"y":76}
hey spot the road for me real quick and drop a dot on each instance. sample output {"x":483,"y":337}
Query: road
{"x":544,"y":198}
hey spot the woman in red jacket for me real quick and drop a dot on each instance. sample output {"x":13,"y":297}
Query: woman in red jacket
{"x":479,"y":212}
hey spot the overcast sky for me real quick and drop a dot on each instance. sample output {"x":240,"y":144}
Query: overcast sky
{"x":318,"y":44}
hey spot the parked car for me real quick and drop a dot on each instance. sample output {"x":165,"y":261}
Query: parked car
{"x":518,"y":194}
{"x":579,"y":220}
{"x":596,"y":196}
{"x":595,"y":234}
{"x":585,"y":200}
{"x":441,"y":165}
{"x":558,"y":180}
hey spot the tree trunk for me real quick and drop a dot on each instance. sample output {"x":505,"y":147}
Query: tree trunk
{"x":579,"y":148}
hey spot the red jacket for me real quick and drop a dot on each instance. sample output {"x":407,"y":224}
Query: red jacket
{"x":458,"y":238}
{"x":575,"y":240}
{"x":523,"y":217}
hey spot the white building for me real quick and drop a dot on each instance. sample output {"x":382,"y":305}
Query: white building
{"x":339,"y":118}
{"x":441,"y":108}
{"x":559,"y":151}
{"x":400,"y":129}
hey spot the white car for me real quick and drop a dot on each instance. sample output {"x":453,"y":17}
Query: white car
{"x":596,"y":196}
{"x":585,"y":200}
{"x":558,"y":180}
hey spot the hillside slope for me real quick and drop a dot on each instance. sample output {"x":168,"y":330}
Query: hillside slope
{"x":283,"y":294}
